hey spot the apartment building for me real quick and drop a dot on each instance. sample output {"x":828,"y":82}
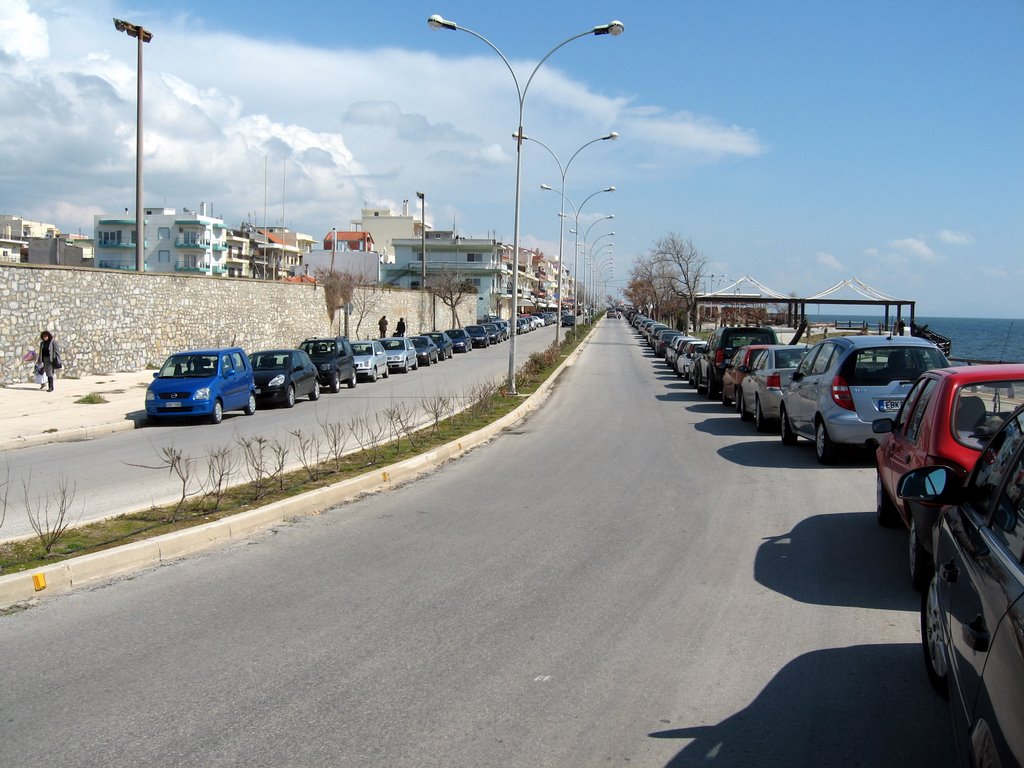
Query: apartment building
{"x":187,"y":242}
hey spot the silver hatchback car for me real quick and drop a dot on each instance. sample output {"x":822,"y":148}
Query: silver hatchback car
{"x":844,"y":383}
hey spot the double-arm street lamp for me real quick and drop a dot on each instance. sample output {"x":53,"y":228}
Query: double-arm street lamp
{"x":439,"y":22}
{"x":586,"y":253}
{"x":576,"y":231}
{"x":143,"y":36}
{"x":563,"y":170}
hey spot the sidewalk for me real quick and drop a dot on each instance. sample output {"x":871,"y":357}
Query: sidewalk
{"x":30,"y":417}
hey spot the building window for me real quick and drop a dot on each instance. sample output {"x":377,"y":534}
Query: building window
{"x":477,"y":257}
{"x":414,"y":284}
{"x":163,"y":233}
{"x":476,"y":282}
{"x":164,"y":257}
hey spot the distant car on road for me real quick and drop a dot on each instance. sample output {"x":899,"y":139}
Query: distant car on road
{"x":844,"y":383}
{"x":202,"y":383}
{"x":947,"y":417}
{"x":282,"y":375}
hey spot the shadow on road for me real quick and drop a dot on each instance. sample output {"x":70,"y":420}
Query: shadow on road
{"x":839,"y":559}
{"x":864,"y":705}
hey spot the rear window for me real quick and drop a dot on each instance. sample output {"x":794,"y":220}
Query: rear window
{"x":788,"y":358}
{"x":319,"y":348}
{"x":876,"y":366}
{"x":735,"y":340}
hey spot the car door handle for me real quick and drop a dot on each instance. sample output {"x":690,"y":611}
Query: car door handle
{"x":948,"y":572}
{"x":976,"y":634}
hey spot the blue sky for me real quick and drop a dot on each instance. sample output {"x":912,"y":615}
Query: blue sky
{"x":802,"y":143}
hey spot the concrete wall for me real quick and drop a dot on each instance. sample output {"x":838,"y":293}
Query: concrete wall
{"x":110,"y":320}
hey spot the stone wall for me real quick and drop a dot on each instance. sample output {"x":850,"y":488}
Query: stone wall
{"x":109,"y":320}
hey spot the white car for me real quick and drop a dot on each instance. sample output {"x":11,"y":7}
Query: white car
{"x":371,"y":360}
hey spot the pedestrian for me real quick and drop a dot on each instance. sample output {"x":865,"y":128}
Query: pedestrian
{"x":400,"y":328}
{"x":49,"y":356}
{"x":382,"y":324}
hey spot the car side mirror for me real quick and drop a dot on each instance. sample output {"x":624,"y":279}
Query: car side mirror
{"x":797,"y":375}
{"x":156,"y":374}
{"x":935,"y":485}
{"x":882,"y":426}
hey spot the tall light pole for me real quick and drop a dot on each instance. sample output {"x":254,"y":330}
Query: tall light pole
{"x":586,"y":252}
{"x":576,"y":249}
{"x":143,"y":36}
{"x":563,"y":170}
{"x":438,"y":22}
{"x":423,"y":249}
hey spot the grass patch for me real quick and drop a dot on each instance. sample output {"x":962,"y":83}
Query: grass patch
{"x":489,"y":403}
{"x":93,"y":398}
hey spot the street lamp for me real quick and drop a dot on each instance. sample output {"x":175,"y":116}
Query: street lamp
{"x":423,"y":249}
{"x":594,"y":252}
{"x":438,"y":22}
{"x":563,"y":170}
{"x":143,"y":36}
{"x":586,"y":236}
{"x":576,"y":250}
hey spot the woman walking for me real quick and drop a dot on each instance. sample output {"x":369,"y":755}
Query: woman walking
{"x":49,"y":356}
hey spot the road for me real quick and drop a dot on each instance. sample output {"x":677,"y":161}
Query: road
{"x":109,"y":475}
{"x":631,"y":577}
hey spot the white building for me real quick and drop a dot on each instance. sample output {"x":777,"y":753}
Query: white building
{"x":386,"y":226}
{"x":174,"y":242}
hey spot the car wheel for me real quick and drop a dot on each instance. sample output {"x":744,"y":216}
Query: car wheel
{"x":885,"y":510}
{"x":726,"y":400}
{"x":921,"y":568}
{"x":314,"y":393}
{"x":405,"y":367}
{"x":697,"y":382}
{"x":823,"y":445}
{"x":760,"y":422}
{"x":352,"y":382}
{"x":335,"y":383}
{"x":741,"y":407}
{"x":387,"y":372}
{"x":218,"y":413}
{"x":933,"y":641}
{"x":789,"y":436}
{"x":711,"y":391}
{"x":373,"y":375}
{"x":289,"y":397}
{"x":250,"y":407}
{"x":427,"y":362}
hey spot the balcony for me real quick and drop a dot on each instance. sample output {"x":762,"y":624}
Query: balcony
{"x":183,"y":265}
{"x":106,"y":264}
{"x":191,"y":245}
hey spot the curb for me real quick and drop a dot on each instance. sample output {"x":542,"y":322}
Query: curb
{"x":75,"y":434}
{"x":27,"y":586}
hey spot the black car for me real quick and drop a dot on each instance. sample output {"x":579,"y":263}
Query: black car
{"x":334,"y":360}
{"x":426,"y":350}
{"x":443,"y":342}
{"x":479,"y":335}
{"x":568,"y":321}
{"x":461,"y":341}
{"x":494,"y":333}
{"x":972,"y":615}
{"x":282,"y":375}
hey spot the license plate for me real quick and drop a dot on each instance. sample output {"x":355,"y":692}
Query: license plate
{"x":888,"y":406}
{"x":257,"y":391}
{"x":172,"y":404}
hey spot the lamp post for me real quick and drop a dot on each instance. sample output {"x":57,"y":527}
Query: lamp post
{"x":438,"y":22}
{"x":586,"y":236}
{"x":143,"y":36}
{"x":563,"y":170}
{"x":576,"y":249}
{"x":423,"y":247}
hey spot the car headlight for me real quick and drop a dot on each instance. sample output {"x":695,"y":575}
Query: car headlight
{"x":277,"y":381}
{"x":150,"y":397}
{"x":202,"y":394}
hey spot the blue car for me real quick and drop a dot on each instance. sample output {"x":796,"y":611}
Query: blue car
{"x":202,"y":383}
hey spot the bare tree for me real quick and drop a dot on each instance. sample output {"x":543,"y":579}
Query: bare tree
{"x":51,"y":527}
{"x":451,"y":287}
{"x":367,"y":298}
{"x":221,"y":463}
{"x":177,"y":465}
{"x":338,"y":288}
{"x":684,"y":274}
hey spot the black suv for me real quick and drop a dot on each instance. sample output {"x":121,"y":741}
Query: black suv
{"x":722,"y":345}
{"x":334,"y":361}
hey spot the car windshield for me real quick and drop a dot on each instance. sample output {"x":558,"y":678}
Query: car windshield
{"x":475,"y":329}
{"x":420,"y":341}
{"x":788,"y":358}
{"x":456,"y":333}
{"x":319,"y":348}
{"x":393,"y":344}
{"x":362,"y":348}
{"x":187,"y":366}
{"x":269,"y":361}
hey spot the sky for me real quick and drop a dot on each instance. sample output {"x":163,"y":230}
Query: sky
{"x":798,"y":142}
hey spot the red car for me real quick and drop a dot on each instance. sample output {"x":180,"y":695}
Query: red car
{"x":734,"y":372}
{"x":946,"y":419}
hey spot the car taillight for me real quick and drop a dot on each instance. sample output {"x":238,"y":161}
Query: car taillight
{"x":720,"y":357}
{"x":841,"y":394}
{"x":773,"y":381}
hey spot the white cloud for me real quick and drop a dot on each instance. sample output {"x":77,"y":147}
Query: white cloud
{"x":830,"y":261}
{"x":690,"y":133}
{"x":914,"y":246}
{"x":955,"y":238}
{"x":22,"y":33}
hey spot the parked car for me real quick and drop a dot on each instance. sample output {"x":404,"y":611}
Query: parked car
{"x":735,"y":371}
{"x":844,"y":383}
{"x":461,"y":341}
{"x":722,"y":345}
{"x":371,"y":359}
{"x":688,"y":357}
{"x":401,"y":353}
{"x":674,"y":348}
{"x":504,"y":327}
{"x":426,"y":350}
{"x":493,"y":332}
{"x":202,"y":383}
{"x":334,"y":361}
{"x":662,"y":339}
{"x":947,"y":417}
{"x":761,"y":389}
{"x":443,"y":342}
{"x":479,"y":335}
{"x":568,"y":321}
{"x":282,"y":375}
{"x":972,"y":615}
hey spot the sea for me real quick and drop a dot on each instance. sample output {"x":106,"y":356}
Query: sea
{"x":975,"y":339}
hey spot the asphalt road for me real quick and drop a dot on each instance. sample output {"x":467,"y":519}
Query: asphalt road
{"x":109,"y":475}
{"x":632,"y":577}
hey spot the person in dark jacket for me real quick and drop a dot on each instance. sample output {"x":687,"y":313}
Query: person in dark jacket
{"x":49,"y":356}
{"x":382,"y":326}
{"x":400,"y":328}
